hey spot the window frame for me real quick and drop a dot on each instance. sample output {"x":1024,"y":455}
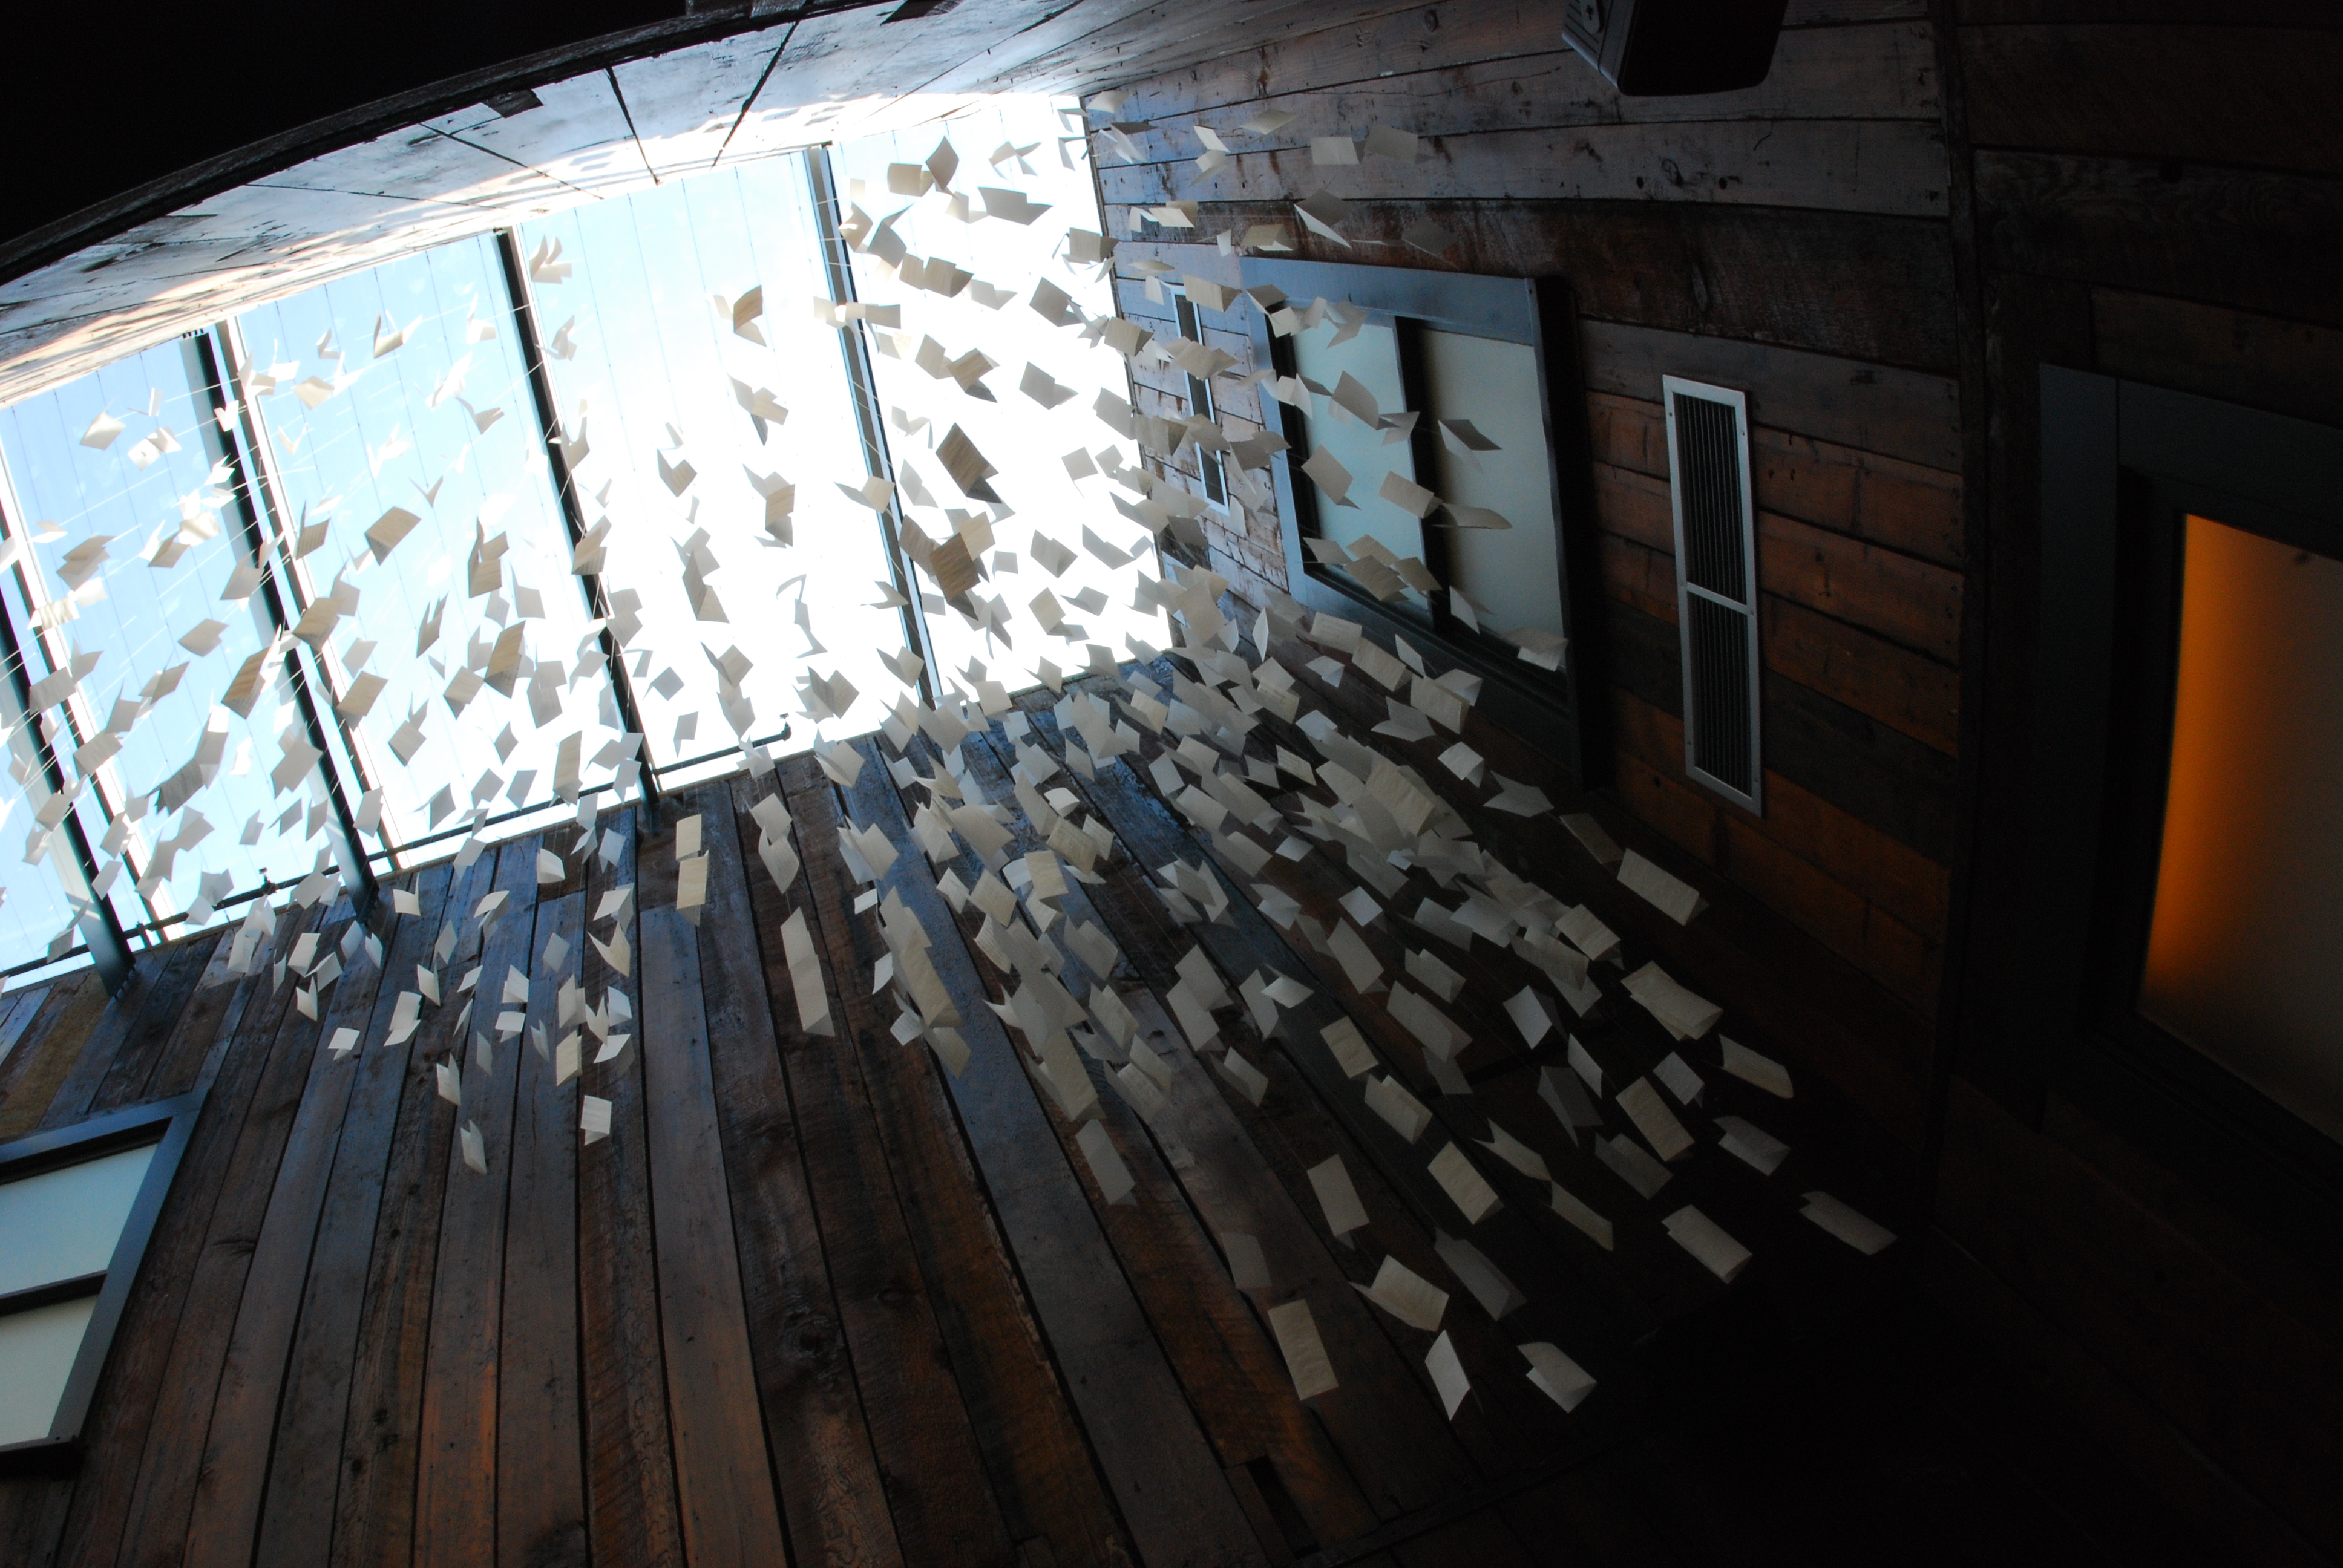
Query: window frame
{"x":1202,"y":403}
{"x":1548,"y":710}
{"x":2121,"y":462}
{"x":168,"y":1125}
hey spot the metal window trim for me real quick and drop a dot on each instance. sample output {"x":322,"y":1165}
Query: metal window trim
{"x":862,"y":386}
{"x":548,"y":412}
{"x":107,"y":944}
{"x":106,"y":789}
{"x":269,"y":484}
{"x":1210,"y":471}
{"x":260,"y":476}
{"x":169,"y":1124}
{"x":1672,"y":387}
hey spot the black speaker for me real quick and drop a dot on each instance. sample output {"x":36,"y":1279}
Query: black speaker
{"x":1668,"y":48}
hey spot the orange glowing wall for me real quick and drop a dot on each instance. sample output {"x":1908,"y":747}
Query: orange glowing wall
{"x":2244,"y":956}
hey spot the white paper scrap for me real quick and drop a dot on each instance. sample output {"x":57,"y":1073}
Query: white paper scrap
{"x":1752,"y":1145}
{"x":1672,"y":896}
{"x":1337,"y":1196}
{"x":1750,"y":1068}
{"x":1406,"y":1295}
{"x":1705,"y":1240}
{"x":1462,"y":1183}
{"x":1305,"y":1352}
{"x":1654,"y":1121}
{"x":1497,"y":1295}
{"x":1447,"y":1374}
{"x":1866,"y":1235}
{"x":1106,"y":1164}
{"x":1595,"y":1226}
{"x":1562,"y":1380}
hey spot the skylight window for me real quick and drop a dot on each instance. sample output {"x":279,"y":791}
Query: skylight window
{"x":409,"y":474}
{"x":717,"y":428}
{"x":324,"y":606}
{"x":972,"y":250}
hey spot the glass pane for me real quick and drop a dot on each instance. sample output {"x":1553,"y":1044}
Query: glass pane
{"x":36,"y":1355}
{"x":1026,"y":441}
{"x":63,"y":1223}
{"x":2247,"y":937}
{"x":1513,"y":572}
{"x":34,"y":909}
{"x":655,"y":382}
{"x":146,"y":501}
{"x":1371,"y":359}
{"x":439,"y":424}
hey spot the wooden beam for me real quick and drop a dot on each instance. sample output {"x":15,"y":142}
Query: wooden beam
{"x":631,"y":1483}
{"x":723,"y":1471}
{"x":833,"y":1492}
{"x":296,"y":1522}
{"x":942,"y":1507}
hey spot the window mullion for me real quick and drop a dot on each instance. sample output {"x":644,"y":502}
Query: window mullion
{"x":255,"y":497}
{"x":547,"y":410}
{"x":860,"y":381}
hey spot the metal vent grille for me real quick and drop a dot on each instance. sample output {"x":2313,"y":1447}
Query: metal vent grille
{"x":1717,"y":741}
{"x":1717,"y":586}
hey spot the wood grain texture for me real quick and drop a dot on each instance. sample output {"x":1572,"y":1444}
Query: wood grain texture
{"x":1039,"y":1461}
{"x":2262,"y":362}
{"x":1912,"y":694}
{"x":17,"y":1009}
{"x":2163,"y":92}
{"x":1868,"y":769}
{"x":47,"y":1050}
{"x":1147,"y":1440}
{"x":1857,"y":284}
{"x":540,"y":1480}
{"x":1813,"y":1007}
{"x":297,"y":1513}
{"x":2248,"y":238}
{"x":156,"y":1512}
{"x":1891,"y":166}
{"x":833,"y":1494}
{"x":2139,"y":1295}
{"x":374,"y":1502}
{"x":1824,"y":908}
{"x":1499,"y":1433}
{"x":1907,"y":506}
{"x":1870,"y":863}
{"x":124,"y":1047}
{"x":630,"y":1485}
{"x":228,"y":1496}
{"x":723,"y":1471}
{"x":455,"y":1426}
{"x":1873,"y":408}
{"x":1818,"y":593}
{"x":1398,"y":68}
{"x":941,"y":1506}
{"x":1227,"y":1363}
{"x":1905,"y":600}
{"x":134,"y":1390}
{"x":1588,"y":1309}
{"x":174,"y":1011}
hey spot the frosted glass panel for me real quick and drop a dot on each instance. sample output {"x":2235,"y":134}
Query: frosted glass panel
{"x":36,"y":1355}
{"x":2247,"y":939}
{"x":63,"y":1223}
{"x":1512,"y":572}
{"x":1373,"y":357}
